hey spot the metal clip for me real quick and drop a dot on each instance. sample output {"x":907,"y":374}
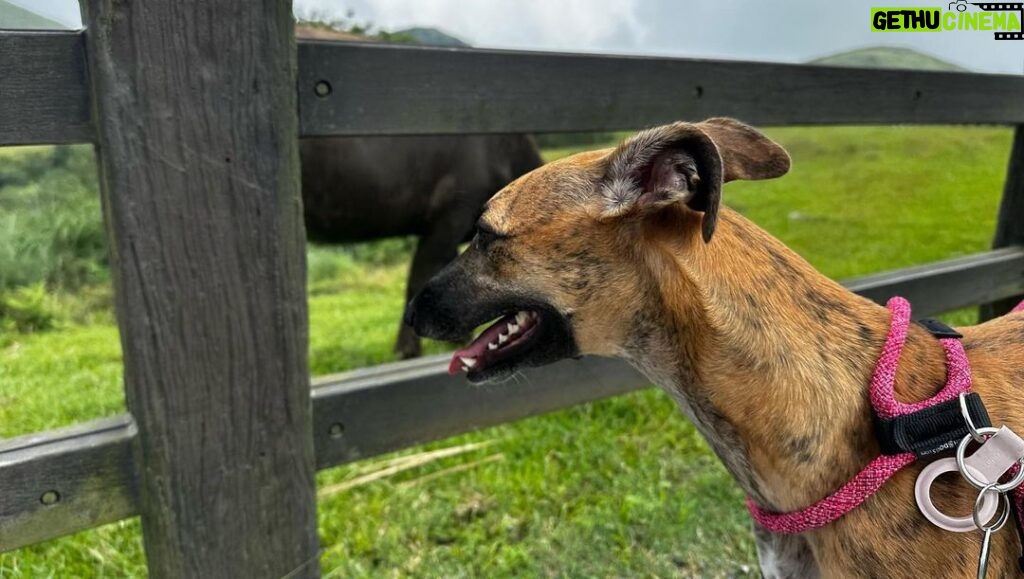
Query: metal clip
{"x":988,"y":530}
{"x":998,"y":454}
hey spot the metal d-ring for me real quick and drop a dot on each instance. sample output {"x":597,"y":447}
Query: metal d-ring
{"x":1003,"y":517}
{"x":967,"y":418}
{"x":961,"y":451}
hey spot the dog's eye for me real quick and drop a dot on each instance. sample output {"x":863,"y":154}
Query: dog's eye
{"x":485,"y":235}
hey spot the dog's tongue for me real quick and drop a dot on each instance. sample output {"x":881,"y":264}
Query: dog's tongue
{"x":477,"y":350}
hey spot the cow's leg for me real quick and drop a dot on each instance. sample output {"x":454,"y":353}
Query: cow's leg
{"x":433,"y":251}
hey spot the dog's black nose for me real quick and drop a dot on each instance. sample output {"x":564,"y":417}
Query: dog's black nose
{"x":431,"y":314}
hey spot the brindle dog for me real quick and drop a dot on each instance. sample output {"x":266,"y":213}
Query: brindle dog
{"x":626,"y":252}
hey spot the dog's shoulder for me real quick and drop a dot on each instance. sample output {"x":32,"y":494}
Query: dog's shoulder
{"x":996,"y":352}
{"x":1003,"y":336}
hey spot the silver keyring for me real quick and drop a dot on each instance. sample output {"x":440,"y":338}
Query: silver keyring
{"x":961,"y":450}
{"x":967,"y":418}
{"x":1003,"y":517}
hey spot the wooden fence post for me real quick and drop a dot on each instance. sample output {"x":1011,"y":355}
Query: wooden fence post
{"x":1010,"y":224}
{"x":196,"y":121}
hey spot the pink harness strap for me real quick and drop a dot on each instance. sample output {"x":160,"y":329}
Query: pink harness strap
{"x":849,"y":496}
{"x":883,"y":399}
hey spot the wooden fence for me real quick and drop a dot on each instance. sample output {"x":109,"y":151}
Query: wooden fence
{"x":195,"y":127}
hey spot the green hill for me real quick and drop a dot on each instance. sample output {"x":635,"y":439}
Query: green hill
{"x":431,"y":37}
{"x":319,"y":28}
{"x":887,"y":57}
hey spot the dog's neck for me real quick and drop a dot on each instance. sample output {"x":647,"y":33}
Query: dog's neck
{"x":772,"y":361}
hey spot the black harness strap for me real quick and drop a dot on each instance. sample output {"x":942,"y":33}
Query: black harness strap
{"x":932,"y":430}
{"x":935,"y":429}
{"x":939,"y":329}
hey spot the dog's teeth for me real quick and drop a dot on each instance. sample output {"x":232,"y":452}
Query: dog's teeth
{"x":468,"y":362}
{"x":492,"y":346}
{"x":513,"y":328}
{"x":502,"y":338}
{"x":521,"y":318}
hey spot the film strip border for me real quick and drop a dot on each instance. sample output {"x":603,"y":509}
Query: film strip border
{"x":1004,"y":6}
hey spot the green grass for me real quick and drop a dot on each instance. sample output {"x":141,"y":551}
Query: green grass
{"x":622,"y":487}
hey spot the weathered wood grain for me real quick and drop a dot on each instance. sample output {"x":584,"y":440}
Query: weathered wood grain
{"x":196,"y":124}
{"x":63,"y":481}
{"x":1010,"y":223}
{"x":370,"y":411}
{"x":44,"y":93}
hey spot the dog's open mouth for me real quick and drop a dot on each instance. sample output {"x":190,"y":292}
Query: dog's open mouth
{"x":509,"y":337}
{"x":524,"y":332}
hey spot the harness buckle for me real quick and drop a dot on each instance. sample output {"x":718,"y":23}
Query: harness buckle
{"x":932,"y":430}
{"x":939,"y":329}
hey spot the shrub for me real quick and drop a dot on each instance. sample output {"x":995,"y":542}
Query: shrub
{"x":326,"y":265}
{"x":50,"y":222}
{"x":28,"y":309}
{"x":382,"y":252}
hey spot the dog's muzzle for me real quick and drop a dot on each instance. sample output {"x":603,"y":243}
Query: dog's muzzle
{"x":434,"y":312}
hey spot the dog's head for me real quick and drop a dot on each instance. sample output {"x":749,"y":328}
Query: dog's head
{"x":560,"y":255}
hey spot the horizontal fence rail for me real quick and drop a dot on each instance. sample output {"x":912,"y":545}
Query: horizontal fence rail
{"x":440,"y":90}
{"x":67,"y":480}
{"x":435,"y":90}
{"x":951,"y":284}
{"x":76,"y":478}
{"x":44,"y":88}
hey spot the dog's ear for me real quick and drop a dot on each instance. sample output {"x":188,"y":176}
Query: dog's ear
{"x":687,"y":163}
{"x":746,"y":152}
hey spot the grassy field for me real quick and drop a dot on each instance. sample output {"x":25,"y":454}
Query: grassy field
{"x":622,"y":487}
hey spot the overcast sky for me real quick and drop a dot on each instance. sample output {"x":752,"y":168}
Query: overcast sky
{"x":781,"y":30}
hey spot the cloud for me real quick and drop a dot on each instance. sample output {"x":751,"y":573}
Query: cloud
{"x":788,"y":31}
